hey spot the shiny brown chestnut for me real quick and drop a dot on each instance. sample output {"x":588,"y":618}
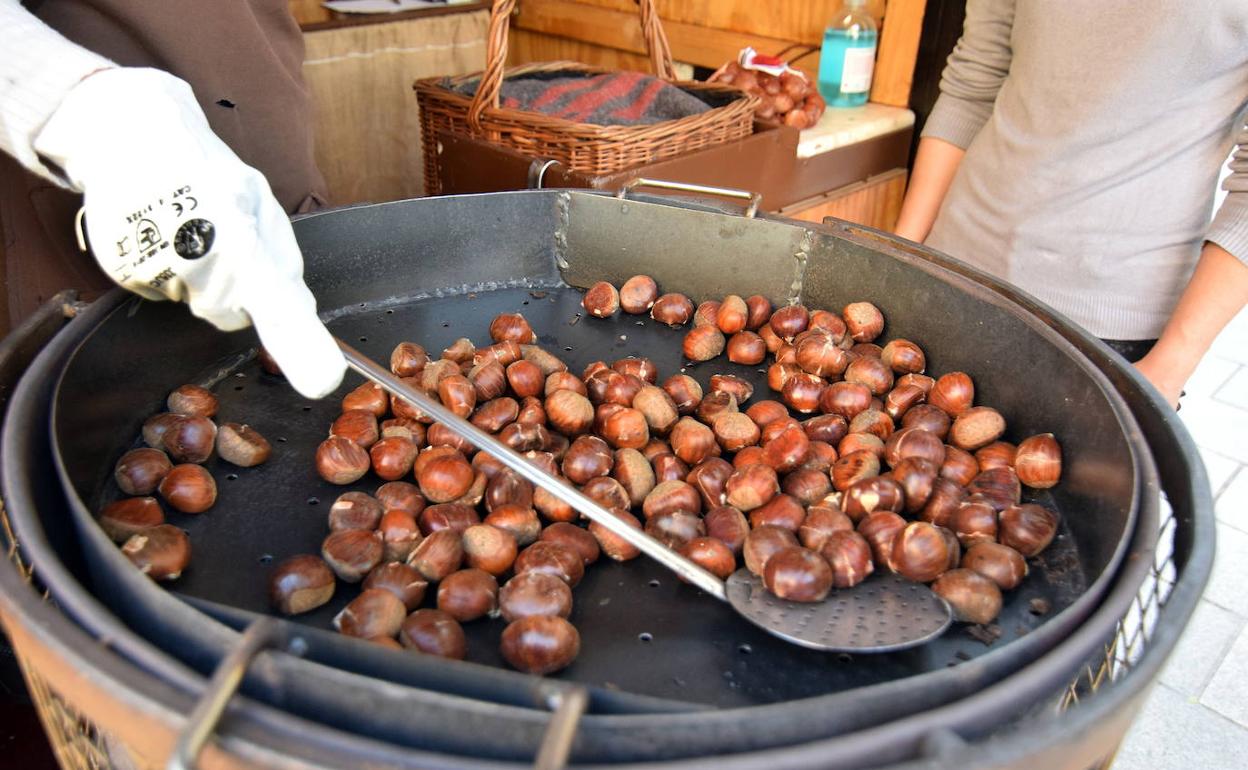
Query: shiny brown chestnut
{"x":587,"y":458}
{"x":904,"y":357}
{"x":861,"y":442}
{"x":552,"y":559}
{"x":626,"y":428}
{"x":864,"y":321}
{"x":161,"y":552}
{"x":495,"y":414}
{"x":192,"y":401}
{"x":355,"y":510}
{"x":155,"y":427}
{"x":657,"y":407}
{"x":758,"y":312}
{"x":615,"y":547}
{"x":358,"y":425}
{"x":1038,"y":461}
{"x":507,"y":487}
{"x":850,"y":469}
{"x":798,"y":575}
{"x":782,"y":510}
{"x":786,"y":448}
{"x":607,"y":492}
{"x":375,"y":612}
{"x":802,"y":391}
{"x":545,"y":361}
{"x":399,"y":579}
{"x":848,"y":554}
{"x":972,"y":597}
{"x":807,"y":486}
{"x":778,"y":375}
{"x":998,"y":454}
{"x":920,"y":552}
{"x":408,"y":359}
{"x":433,"y":632}
{"x":399,"y":535}
{"x":913,"y":442}
{"x":670,"y":496}
{"x":901,"y":398}
{"x":439,"y":435}
{"x":747,"y":348}
{"x":488,"y":548}
{"x":691,"y":441}
{"x":445,"y":478}
{"x":672,"y":309}
{"x":189,"y":439}
{"x":534,"y":594}
{"x":369,"y":397}
{"x":456,"y":517}
{"x":540,"y":644}
{"x":866,"y":350}
{"x":976,"y":427}
{"x":533,"y":414}
{"x":569,"y":412}
{"x":715,"y":403}
{"x":747,"y":456}
{"x":709,"y":478}
{"x":847,"y":399}
{"x":468,"y":594}
{"x":638,"y":294}
{"x":727,"y":525}
{"x":999,"y":563}
{"x":790,"y":321}
{"x":1027,"y":528}
{"x":733,"y":314}
{"x":820,"y":522}
{"x":685,"y":392}
{"x":601,"y":300}
{"x":819,"y":456}
{"x":770,"y":338}
{"x":818,"y":354}
{"x":739,"y":389}
{"x":974,"y":522}
{"x":751,"y":486}
{"x":505,"y":353}
{"x":576,"y":538}
{"x":392,"y":457}
{"x":871,"y":373}
{"x":188,"y":488}
{"x":352,"y":553}
{"x":438,"y":555}
{"x":557,"y":381}
{"x":634,"y":473}
{"x":872,"y":421}
{"x":876,"y":493}
{"x":929,"y":418}
{"x":675,"y":528}
{"x":518,"y":521}
{"x":959,"y":466}
{"x":300,"y":583}
{"x":943,"y":502}
{"x":461,"y":351}
{"x":999,"y":487}
{"x":139,"y":471}
{"x":764,"y":412}
{"x":953,"y":393}
{"x":734,"y":431}
{"x":711,"y":554}
{"x":489,"y":380}
{"x":641,"y":368}
{"x":340,"y":460}
{"x":525,"y":379}
{"x":880,"y":530}
{"x":513,"y":327}
{"x":242,"y":445}
{"x":763,"y":543}
{"x":123,"y":518}
{"x":917,"y":476}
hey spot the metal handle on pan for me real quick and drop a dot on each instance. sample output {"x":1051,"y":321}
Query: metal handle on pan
{"x":754,"y":198}
{"x":517,"y":462}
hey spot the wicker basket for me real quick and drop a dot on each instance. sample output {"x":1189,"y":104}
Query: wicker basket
{"x":579,"y":146}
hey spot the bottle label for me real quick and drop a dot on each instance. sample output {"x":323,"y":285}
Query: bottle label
{"x":856,"y":75}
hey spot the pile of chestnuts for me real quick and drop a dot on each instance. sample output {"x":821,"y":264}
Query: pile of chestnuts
{"x":178,"y":442}
{"x":888,"y":467}
{"x":789,"y":98}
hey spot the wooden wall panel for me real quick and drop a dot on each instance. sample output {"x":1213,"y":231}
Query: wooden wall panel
{"x":524,"y":46}
{"x":874,"y":203}
{"x":899,"y":48}
{"x":795,"y":20}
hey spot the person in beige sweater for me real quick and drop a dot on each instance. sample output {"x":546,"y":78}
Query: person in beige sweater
{"x":1075,"y":151}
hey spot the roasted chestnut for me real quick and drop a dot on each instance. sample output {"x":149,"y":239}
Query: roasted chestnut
{"x":820,"y":522}
{"x":976,"y":427}
{"x":1038,"y":461}
{"x":534,"y":594}
{"x":546,"y":362}
{"x":904,"y":357}
{"x":880,"y":530}
{"x":126,"y":517}
{"x":920,"y":552}
{"x":848,"y":554}
{"x":1027,"y":528}
{"x":703,"y":343}
{"x":871,"y":373}
{"x":461,"y":351}
{"x":375,"y":612}
{"x":433,"y":632}
{"x":368,"y":397}
{"x":780,"y":511}
{"x":959,"y":466}
{"x":189,"y":439}
{"x":155,"y":427}
{"x":786,"y":447}
{"x":569,"y":412}
{"x":999,"y":563}
{"x":746,"y":348}
{"x":614,"y":546}
{"x":876,"y":493}
{"x":445,"y":478}
{"x":942,"y":503}
{"x":638,"y":294}
{"x":901,"y":398}
{"x":456,"y":517}
{"x":437,"y":556}
{"x":525,"y":378}
{"x":819,"y":355}
{"x":807,"y":486}
{"x":733,"y":314}
{"x":588,"y":457}
{"x":392,"y":457}
{"x":488,"y":548}
{"x":864,"y":321}
{"x":355,"y":510}
{"x":692,"y":442}
{"x":850,"y":469}
{"x":161,"y":552}
{"x":634,"y":473}
{"x":872,"y":421}
{"x":998,"y":454}
{"x":916,"y":476}
{"x":846,"y":399}
{"x":341,"y":461}
{"x":300,"y":583}
{"x":242,"y":445}
{"x":913,"y":442}
{"x":188,"y":488}
{"x":540,"y":644}
{"x":972,"y":597}
{"x":468,"y":594}
{"x":408,"y":359}
{"x":675,"y":528}
{"x":140,"y":471}
{"x":672,"y":309}
{"x":553,"y":559}
{"x":798,"y":575}
{"x":715,"y":403}
{"x":601,"y":300}
{"x":573,"y":537}
{"x":953,"y":394}
{"x":685,"y":392}
{"x":657,"y":407}
{"x":352,"y":553}
{"x":929,"y":418}
{"x":861,"y":442}
{"x":626,"y":427}
{"x":734,"y":431}
{"x":707,"y":313}
{"x":670,"y":496}
{"x":489,"y":380}
{"x":749,"y":487}
{"x":974,"y":521}
{"x":998,"y":487}
{"x":762,"y":543}
{"x":402,"y":580}
{"x":802,"y":391}
{"x":192,"y":401}
{"x":513,"y":327}
{"x":759,"y":311}
{"x":728,"y":525}
{"x":519,"y":522}
{"x":790,"y":321}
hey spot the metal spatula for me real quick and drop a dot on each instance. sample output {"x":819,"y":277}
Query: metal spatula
{"x":883,"y":614}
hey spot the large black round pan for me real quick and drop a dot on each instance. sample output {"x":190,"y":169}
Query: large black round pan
{"x":376,"y":266}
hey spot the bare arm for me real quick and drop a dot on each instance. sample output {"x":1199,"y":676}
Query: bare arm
{"x":934,"y":166}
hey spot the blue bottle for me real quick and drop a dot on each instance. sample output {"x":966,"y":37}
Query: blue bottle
{"x":847,"y":59}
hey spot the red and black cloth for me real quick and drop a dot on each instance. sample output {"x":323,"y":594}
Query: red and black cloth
{"x":613,"y":99}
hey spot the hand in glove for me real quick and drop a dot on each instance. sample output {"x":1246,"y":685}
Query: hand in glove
{"x":171,"y":212}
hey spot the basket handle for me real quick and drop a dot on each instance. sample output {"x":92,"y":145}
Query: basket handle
{"x":496,"y":54}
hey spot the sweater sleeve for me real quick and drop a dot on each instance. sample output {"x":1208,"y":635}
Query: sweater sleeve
{"x":1230,"y":225}
{"x":974,"y":73}
{"x":37,"y":68}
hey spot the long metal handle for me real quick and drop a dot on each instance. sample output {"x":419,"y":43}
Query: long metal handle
{"x":754,"y":198}
{"x":517,"y":462}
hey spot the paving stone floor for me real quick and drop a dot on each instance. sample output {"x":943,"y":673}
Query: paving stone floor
{"x":1197,"y":715}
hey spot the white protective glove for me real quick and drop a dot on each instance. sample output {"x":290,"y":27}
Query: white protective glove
{"x":172,"y":212}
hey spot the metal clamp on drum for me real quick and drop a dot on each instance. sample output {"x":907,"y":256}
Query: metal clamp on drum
{"x":754,"y":198}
